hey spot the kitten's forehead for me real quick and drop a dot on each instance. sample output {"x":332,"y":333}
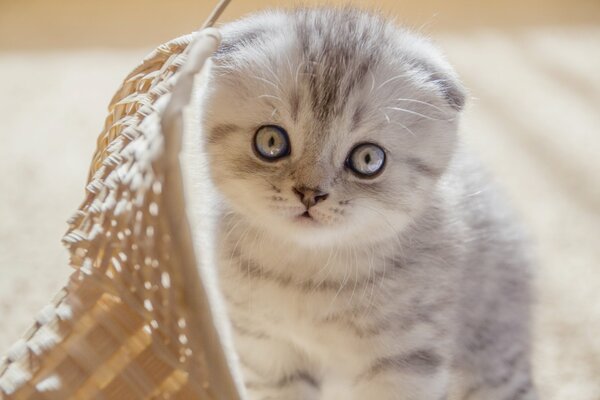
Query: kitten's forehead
{"x":324,"y":54}
{"x":339,"y":49}
{"x":318,"y":58}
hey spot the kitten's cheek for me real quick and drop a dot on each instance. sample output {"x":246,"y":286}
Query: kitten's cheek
{"x":287,"y":212}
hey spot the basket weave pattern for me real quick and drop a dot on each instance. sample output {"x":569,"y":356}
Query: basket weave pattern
{"x":120,"y":328}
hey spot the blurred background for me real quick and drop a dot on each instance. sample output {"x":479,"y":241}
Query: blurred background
{"x":533,"y":70}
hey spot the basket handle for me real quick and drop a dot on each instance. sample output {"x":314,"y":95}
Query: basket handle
{"x":216,"y":13}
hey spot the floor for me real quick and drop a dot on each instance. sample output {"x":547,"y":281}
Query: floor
{"x":532,"y":118}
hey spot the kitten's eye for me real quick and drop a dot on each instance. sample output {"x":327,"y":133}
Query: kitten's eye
{"x":271,"y":142}
{"x":366,"y":160}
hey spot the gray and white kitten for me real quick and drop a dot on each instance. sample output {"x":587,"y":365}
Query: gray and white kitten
{"x":360,"y":253}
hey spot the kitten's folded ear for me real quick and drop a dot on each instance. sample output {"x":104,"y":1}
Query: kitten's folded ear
{"x":451,"y":88}
{"x":426,"y":58}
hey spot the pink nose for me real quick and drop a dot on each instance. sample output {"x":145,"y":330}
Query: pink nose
{"x":309,"y":197}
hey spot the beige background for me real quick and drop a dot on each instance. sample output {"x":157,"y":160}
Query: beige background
{"x":533,"y":68}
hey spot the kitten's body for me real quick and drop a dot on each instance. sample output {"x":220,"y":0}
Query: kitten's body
{"x":409,"y":285}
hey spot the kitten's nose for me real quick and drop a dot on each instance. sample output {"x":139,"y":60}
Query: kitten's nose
{"x":309,"y":197}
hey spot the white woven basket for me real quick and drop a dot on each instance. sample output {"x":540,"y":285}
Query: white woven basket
{"x":134,"y":320}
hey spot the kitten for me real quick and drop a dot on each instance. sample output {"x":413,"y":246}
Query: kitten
{"x":361,"y":254}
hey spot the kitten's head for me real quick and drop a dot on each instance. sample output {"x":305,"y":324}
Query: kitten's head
{"x":328,"y":125}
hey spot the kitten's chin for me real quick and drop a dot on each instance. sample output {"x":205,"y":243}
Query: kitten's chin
{"x":311,"y":232}
{"x":301,"y":229}
{"x":318,"y":230}
{"x":308,"y":231}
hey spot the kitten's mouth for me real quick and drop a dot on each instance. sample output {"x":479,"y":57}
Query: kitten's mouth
{"x":305,"y":217}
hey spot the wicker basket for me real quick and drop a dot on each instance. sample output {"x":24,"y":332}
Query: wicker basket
{"x":134,"y":321}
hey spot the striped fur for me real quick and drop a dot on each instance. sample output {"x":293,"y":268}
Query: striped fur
{"x":412,"y":285}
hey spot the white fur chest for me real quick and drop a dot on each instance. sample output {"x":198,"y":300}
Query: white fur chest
{"x":306,"y":307}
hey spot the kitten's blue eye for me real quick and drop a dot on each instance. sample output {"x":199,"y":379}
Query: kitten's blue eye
{"x":366,"y":160}
{"x":271,"y":142}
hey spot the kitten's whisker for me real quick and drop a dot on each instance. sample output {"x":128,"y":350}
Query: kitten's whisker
{"x":268,"y":82}
{"x":428,"y":22}
{"x":417,"y":113}
{"x":297,"y":73}
{"x":289,"y":63}
{"x":371,"y":267}
{"x":355,"y":274}
{"x":320,"y":282}
{"x":326,"y":266}
{"x":372,"y":82}
{"x":476,"y":193}
{"x":369,"y":273}
{"x":270,"y":96}
{"x":421,"y":102}
{"x":383,"y":217}
{"x":231,"y":229}
{"x":243,"y":237}
{"x":404,"y":75}
{"x":267,"y":66}
{"x":403,"y":126}
{"x":397,"y":241}
{"x":256,"y":232}
{"x":270,"y":70}
{"x":234,"y":250}
{"x":384,"y":259}
{"x":342,"y":285}
{"x":387,"y":117}
{"x":389,"y":121}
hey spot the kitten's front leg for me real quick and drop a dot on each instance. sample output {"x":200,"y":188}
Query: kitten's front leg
{"x":272,"y":369}
{"x":395,"y":385}
{"x":417,"y":375}
{"x":277,"y":386}
{"x":289,"y":388}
